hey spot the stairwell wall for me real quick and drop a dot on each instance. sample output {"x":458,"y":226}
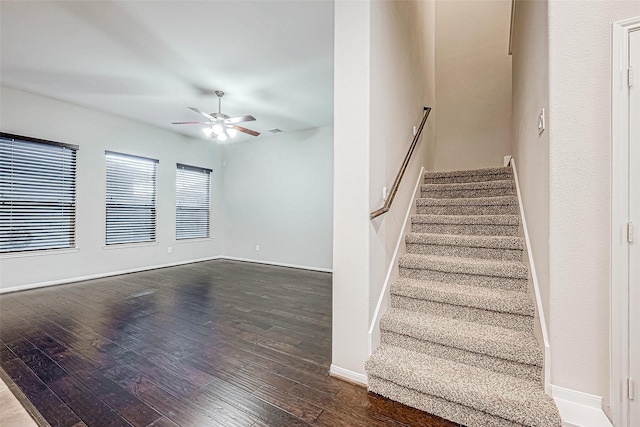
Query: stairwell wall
{"x":562,"y":60}
{"x":384,"y":75}
{"x":580,"y":40}
{"x":402,"y":77}
{"x":530,"y":148}
{"x":473,"y":84}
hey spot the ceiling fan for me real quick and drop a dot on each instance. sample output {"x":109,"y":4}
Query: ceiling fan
{"x":221,"y":126}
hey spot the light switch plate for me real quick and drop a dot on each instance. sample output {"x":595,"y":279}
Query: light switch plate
{"x":541,"y":122}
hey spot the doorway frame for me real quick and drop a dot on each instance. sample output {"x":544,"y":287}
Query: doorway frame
{"x":619,"y":341}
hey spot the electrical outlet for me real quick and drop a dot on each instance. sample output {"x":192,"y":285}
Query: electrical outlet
{"x":257,"y":247}
{"x":415,"y":130}
{"x":169,"y":250}
{"x":385,"y":193}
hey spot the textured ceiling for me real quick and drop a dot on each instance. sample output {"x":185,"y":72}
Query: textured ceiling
{"x":150,"y":60}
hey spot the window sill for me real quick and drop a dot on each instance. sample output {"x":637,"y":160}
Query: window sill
{"x":129,"y":245}
{"x":195,"y":239}
{"x":43,"y":252}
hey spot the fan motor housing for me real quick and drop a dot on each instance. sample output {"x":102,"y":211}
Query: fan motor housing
{"x":219,"y":115}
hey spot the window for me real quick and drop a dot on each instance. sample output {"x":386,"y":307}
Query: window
{"x":193,"y":202}
{"x":131,"y":199}
{"x":37,"y":194}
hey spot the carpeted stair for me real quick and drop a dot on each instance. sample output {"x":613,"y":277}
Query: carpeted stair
{"x":458,"y":339}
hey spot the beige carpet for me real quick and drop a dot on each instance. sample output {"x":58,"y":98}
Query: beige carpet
{"x":458,"y":339}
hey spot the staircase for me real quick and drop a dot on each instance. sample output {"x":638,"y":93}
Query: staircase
{"x":458,"y":339}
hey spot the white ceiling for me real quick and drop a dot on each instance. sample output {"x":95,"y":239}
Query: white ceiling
{"x":150,"y":60}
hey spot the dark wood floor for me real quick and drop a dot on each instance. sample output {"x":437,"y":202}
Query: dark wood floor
{"x":217,"y":343}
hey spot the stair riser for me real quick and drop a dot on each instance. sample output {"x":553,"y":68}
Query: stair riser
{"x":461,"y":414}
{"x":508,"y":283}
{"x":465,"y":252}
{"x":470,"y":229}
{"x":468,"y":314}
{"x":515,"y":346}
{"x":470,"y":178}
{"x":480,"y":298}
{"x":516,"y":369}
{"x":468,"y":210}
{"x":459,"y":194}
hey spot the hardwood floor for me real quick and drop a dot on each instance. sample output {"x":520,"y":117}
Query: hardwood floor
{"x":218,"y":343}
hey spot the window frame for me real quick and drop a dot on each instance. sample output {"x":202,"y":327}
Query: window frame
{"x":178,"y":207}
{"x":61,"y":205}
{"x":112,"y":207}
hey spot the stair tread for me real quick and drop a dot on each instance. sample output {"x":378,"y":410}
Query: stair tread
{"x":465,"y":219}
{"x":458,"y":186}
{"x":477,"y":201}
{"x":477,"y":266}
{"x":492,"y":299}
{"x":489,"y":242}
{"x":496,"y":341}
{"x":501,"y":395}
{"x":469,"y":172}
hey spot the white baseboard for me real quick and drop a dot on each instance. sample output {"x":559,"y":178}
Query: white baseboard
{"x":101,"y":275}
{"x":348,"y":375}
{"x":139,"y":269}
{"x":279,"y":264}
{"x":536,"y":286}
{"x":578,"y":409}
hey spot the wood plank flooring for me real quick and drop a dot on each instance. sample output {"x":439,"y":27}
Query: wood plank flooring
{"x":217,"y":343}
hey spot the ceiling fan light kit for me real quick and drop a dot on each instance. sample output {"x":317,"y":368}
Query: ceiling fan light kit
{"x":221,"y":126}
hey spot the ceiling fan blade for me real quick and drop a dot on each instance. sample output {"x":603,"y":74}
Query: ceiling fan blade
{"x":190,"y":123}
{"x":208,"y":116}
{"x":245,"y":130}
{"x":239,"y":119}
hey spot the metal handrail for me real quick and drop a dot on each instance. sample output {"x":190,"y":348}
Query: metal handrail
{"x":512,"y":26}
{"x":403,"y":168}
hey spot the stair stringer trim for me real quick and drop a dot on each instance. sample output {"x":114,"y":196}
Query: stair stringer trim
{"x":536,"y":287}
{"x":393,"y":271}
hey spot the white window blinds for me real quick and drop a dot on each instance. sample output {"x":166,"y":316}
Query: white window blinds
{"x":37,"y":194}
{"x":131,"y":199}
{"x":193,"y":202}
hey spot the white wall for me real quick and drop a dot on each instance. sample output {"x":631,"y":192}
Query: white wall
{"x":531,"y":149}
{"x":94,"y":132}
{"x":383,"y":72}
{"x":473,"y":83}
{"x":278,"y":194}
{"x":352,"y":35}
{"x":402,"y":84}
{"x":579,"y":189}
